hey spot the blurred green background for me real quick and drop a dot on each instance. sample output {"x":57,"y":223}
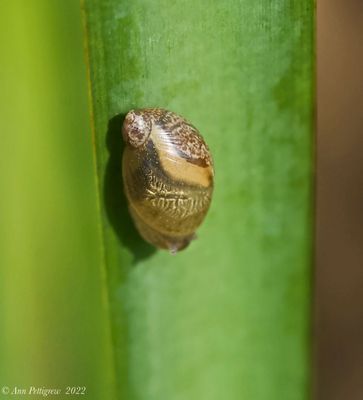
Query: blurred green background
{"x":54,"y":330}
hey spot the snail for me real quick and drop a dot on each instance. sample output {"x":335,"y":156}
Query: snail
{"x":168,"y":176}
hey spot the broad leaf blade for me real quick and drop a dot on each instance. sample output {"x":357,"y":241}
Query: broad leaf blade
{"x":228,"y":317}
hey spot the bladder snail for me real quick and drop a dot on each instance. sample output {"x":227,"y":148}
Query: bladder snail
{"x":168,"y":176}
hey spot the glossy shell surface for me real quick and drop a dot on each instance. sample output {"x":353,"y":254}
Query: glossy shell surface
{"x":168,"y":176}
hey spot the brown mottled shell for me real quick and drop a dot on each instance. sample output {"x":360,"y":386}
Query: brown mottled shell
{"x":168,"y":176}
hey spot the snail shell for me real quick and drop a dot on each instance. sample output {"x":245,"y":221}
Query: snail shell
{"x":168,"y":176}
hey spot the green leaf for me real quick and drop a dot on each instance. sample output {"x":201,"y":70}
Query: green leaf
{"x":228,"y":318}
{"x":54,"y":325}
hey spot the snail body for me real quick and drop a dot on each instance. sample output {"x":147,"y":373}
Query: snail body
{"x":168,"y":176}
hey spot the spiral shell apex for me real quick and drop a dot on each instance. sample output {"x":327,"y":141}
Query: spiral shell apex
{"x":136,"y":128}
{"x":168,"y":176}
